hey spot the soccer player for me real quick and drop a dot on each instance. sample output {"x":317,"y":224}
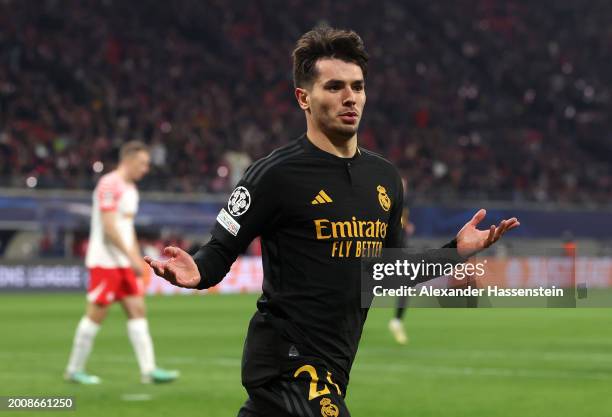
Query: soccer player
{"x":115,"y":268}
{"x":319,"y":204}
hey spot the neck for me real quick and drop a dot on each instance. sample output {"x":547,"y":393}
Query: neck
{"x":123,"y":173}
{"x":337,"y":146}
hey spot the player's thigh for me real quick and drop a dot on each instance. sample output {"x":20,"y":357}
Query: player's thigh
{"x":314,"y":398}
{"x":134,"y":306}
{"x":96,"y":312}
{"x":131,"y":294}
{"x":249,"y":409}
{"x":289,"y":397}
{"x":102,"y":289}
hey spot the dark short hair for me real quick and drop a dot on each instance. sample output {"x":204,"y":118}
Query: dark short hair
{"x":130,"y":148}
{"x":326,"y":42}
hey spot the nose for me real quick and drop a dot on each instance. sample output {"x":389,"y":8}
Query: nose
{"x":348,"y":98}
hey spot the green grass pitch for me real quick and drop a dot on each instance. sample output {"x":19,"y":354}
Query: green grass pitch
{"x":459,"y":363}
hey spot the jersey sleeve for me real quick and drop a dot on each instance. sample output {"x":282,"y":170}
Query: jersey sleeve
{"x":395,"y":236}
{"x":251,"y":210}
{"x":108,"y":194}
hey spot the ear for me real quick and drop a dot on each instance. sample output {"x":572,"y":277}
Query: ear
{"x":303,"y":98}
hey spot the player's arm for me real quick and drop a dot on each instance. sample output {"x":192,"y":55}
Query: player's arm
{"x":468,"y":242}
{"x":136,"y":246}
{"x":109,"y":221}
{"x":252,"y":209}
{"x":136,"y":250}
{"x":395,"y":238}
{"x":205,"y":269}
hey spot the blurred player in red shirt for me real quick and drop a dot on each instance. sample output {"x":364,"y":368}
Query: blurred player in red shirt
{"x":116,"y":269}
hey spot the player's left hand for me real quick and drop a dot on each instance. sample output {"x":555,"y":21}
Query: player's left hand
{"x":470,"y":240}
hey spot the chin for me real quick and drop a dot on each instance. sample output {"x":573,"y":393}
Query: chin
{"x":340,"y":131}
{"x":347,"y":131}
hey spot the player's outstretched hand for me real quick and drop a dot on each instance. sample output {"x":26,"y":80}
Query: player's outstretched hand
{"x":470,"y":240}
{"x":179,"y":270}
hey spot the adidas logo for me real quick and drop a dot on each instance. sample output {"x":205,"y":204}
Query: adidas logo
{"x":322,"y":198}
{"x":293,"y":352}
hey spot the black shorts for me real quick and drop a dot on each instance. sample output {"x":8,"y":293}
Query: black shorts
{"x":306,"y":392}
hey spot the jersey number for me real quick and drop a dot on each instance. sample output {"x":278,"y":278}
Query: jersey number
{"x":314,"y":379}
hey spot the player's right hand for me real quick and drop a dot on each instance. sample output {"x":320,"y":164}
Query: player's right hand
{"x":180,"y":270}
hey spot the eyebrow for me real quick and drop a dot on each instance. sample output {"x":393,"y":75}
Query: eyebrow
{"x":335,"y":81}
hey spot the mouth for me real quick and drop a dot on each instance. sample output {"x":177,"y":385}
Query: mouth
{"x":349,"y":117}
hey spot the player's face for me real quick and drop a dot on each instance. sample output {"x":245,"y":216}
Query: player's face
{"x":337,"y":97}
{"x":138,"y":165}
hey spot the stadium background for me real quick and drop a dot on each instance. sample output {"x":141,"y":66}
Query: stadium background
{"x":480,"y":103}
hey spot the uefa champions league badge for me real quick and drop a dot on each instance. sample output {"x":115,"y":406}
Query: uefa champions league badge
{"x":239,"y":201}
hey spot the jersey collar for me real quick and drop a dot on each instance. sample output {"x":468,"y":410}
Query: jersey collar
{"x":312,"y":148}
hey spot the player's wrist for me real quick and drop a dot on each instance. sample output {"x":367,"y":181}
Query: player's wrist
{"x":136,"y":265}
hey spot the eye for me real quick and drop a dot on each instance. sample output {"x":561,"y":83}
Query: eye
{"x":358,"y":87}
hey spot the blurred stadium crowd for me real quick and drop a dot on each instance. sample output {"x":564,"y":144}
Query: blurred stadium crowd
{"x":482,"y":99}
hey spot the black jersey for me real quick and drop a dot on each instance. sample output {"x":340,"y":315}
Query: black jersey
{"x":317,"y":215}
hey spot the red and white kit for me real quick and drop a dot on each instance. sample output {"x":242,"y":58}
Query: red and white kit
{"x":111,"y":277}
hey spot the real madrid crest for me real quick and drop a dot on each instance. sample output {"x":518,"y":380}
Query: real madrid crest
{"x":239,"y":201}
{"x":328,"y":409}
{"x":383,"y":198}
